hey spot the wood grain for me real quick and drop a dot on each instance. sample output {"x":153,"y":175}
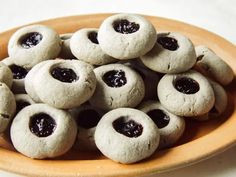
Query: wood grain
{"x":200,"y":141}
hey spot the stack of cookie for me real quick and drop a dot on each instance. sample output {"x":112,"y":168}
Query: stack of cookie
{"x":123,"y":89}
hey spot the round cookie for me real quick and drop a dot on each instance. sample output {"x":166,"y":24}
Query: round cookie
{"x":213,"y":66}
{"x":126,"y":135}
{"x":172,"y":53}
{"x":30,"y":79}
{"x":126,"y":36}
{"x":65,"y":47}
{"x":19,"y":74}
{"x":7,"y":106}
{"x":40,"y":131}
{"x":117,"y":86}
{"x":87,"y":118}
{"x":84,"y":45}
{"x":220,"y":104}
{"x":186,"y":94}
{"x":22,"y":100}
{"x":171,"y":127}
{"x":5,"y":75}
{"x":68,"y":83}
{"x":33,"y":44}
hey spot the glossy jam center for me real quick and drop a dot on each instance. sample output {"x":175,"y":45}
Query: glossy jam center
{"x":186,"y":85}
{"x":18,"y":71}
{"x":129,"y":128}
{"x":21,"y":104}
{"x":168,"y":43}
{"x":30,"y":40}
{"x":64,"y":74}
{"x":159,"y":117}
{"x":42,"y":125}
{"x":88,"y":118}
{"x":93,"y":37}
{"x":115,"y":78}
{"x":125,"y":27}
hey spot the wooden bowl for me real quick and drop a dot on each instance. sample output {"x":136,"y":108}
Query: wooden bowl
{"x":201,"y":140}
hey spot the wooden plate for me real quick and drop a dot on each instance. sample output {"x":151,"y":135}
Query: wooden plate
{"x":200,"y":141}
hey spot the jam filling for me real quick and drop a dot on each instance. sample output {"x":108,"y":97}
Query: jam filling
{"x":30,"y":40}
{"x":125,"y":27}
{"x":168,"y":43}
{"x":129,"y":128}
{"x":115,"y":78}
{"x":186,"y":85}
{"x":199,"y":58}
{"x":64,"y":74}
{"x":42,"y":125}
{"x":18,"y":71}
{"x":21,"y":104}
{"x":93,"y":37}
{"x":88,"y":118}
{"x":159,"y":117}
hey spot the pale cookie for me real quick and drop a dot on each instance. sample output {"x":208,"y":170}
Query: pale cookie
{"x":40,"y":131}
{"x":220,"y":105}
{"x":6,"y":75}
{"x":19,"y":74}
{"x":22,"y":100}
{"x":32,"y":44}
{"x":84,"y":45}
{"x":126,"y":135}
{"x":30,"y":79}
{"x":87,"y":118}
{"x":126,"y":36}
{"x":65,"y":83}
{"x":213,"y":66}
{"x":171,"y":127}
{"x":65,"y":47}
{"x":186,"y":94}
{"x":172,"y":53}
{"x":117,"y":86}
{"x":7,"y":106}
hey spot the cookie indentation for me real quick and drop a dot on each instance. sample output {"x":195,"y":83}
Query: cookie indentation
{"x":21,"y":104}
{"x":30,"y":40}
{"x":18,"y":71}
{"x":186,"y":85}
{"x":115,"y":78}
{"x":93,"y":37}
{"x":168,"y":43}
{"x":88,"y":118}
{"x":42,"y":125}
{"x":125,"y":27}
{"x":159,"y":117}
{"x":64,"y":74}
{"x":129,"y":127}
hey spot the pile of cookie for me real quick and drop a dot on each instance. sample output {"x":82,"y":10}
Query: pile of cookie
{"x":123,"y":89}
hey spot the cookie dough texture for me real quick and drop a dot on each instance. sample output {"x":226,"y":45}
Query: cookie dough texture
{"x":182,"y":104}
{"x":7,"y":106}
{"x":213,"y":66}
{"x":171,"y":133}
{"x":84,"y":49}
{"x":56,"y":144}
{"x":65,"y":95}
{"x":126,"y":46}
{"x":128,"y":95}
{"x":220,"y":105}
{"x":65,"y":46}
{"x":18,"y":85}
{"x":121,"y":148}
{"x":23,"y":98}
{"x":48,"y":48}
{"x":6,"y":74}
{"x":163,"y":60}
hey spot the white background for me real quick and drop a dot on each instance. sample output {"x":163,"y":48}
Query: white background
{"x":218,"y":16}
